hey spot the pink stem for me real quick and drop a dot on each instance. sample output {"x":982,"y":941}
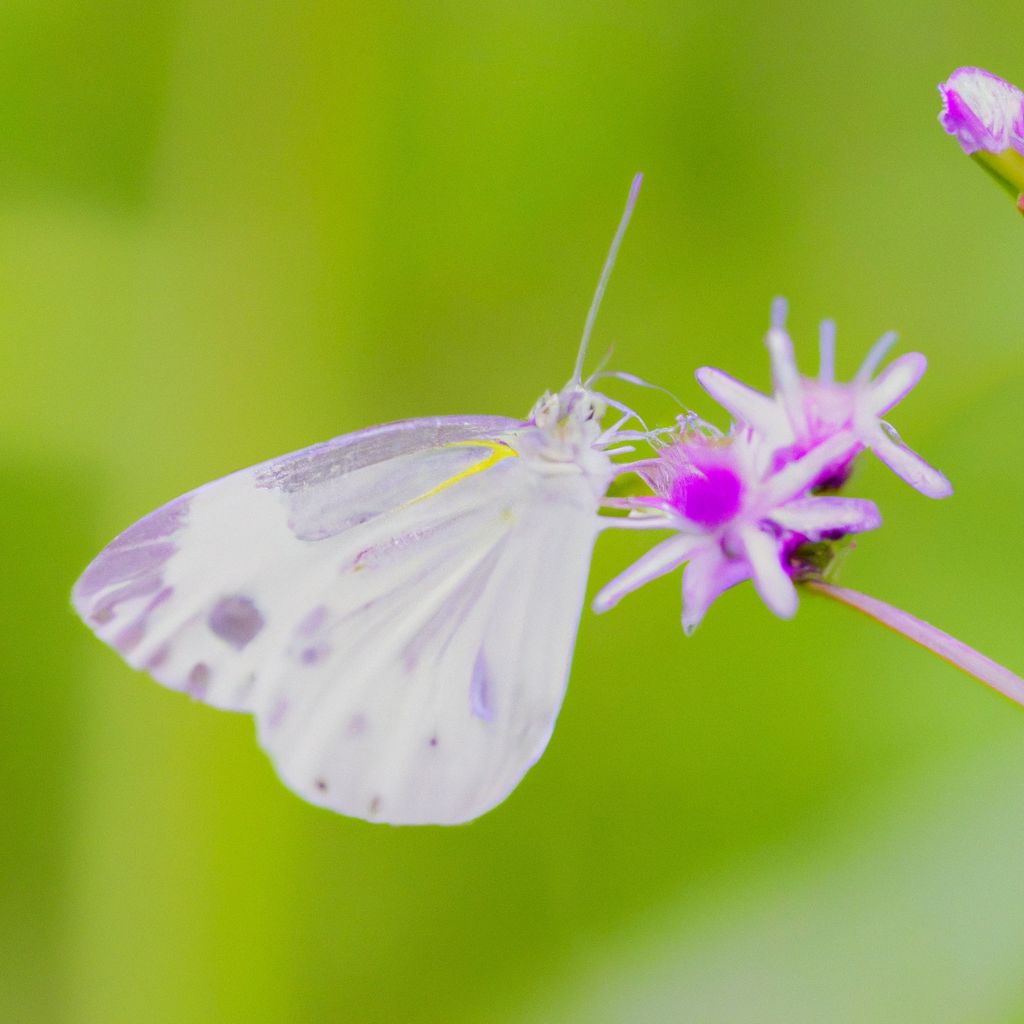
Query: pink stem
{"x":987,"y":671}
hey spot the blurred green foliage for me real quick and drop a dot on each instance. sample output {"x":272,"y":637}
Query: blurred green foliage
{"x":228,"y":230}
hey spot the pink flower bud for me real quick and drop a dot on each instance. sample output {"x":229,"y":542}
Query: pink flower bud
{"x":983,"y":111}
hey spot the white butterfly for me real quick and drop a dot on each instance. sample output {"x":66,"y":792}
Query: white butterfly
{"x":397,"y":607}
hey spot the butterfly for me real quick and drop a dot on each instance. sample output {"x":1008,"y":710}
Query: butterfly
{"x":396,"y":607}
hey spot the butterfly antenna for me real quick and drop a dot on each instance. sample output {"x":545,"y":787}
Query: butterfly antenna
{"x":634,"y":191}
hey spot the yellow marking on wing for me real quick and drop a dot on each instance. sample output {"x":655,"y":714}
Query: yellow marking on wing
{"x":499,"y":451}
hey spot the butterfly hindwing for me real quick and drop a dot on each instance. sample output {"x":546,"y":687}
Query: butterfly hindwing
{"x":455,"y":668}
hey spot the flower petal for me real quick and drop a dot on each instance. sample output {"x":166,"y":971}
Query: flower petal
{"x":816,"y":517}
{"x":827,"y":348}
{"x":785,"y":374}
{"x":661,"y":559}
{"x":740,"y":401}
{"x":770,"y":579}
{"x":800,"y":475}
{"x":888,"y":446}
{"x":875,"y":355}
{"x":707,"y":575}
{"x":895,"y":382}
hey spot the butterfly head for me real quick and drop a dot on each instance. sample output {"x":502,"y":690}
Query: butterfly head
{"x":567,"y":425}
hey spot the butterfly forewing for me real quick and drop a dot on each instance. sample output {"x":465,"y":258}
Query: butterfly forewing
{"x":176,"y":593}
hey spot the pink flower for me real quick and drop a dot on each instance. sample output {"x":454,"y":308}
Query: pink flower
{"x":749,"y":504}
{"x":804,"y":411}
{"x":737,"y":518}
{"x":983,"y":111}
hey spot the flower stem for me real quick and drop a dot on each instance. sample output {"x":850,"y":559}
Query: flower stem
{"x":1008,"y":169}
{"x":965,"y":658}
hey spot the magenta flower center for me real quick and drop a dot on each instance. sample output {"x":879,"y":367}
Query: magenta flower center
{"x":707,"y":495}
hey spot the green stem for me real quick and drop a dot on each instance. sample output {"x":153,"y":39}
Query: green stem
{"x":1008,"y":170}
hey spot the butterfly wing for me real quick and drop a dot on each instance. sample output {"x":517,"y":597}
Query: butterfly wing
{"x":396,"y":607}
{"x":170,"y":593}
{"x":431,"y":673}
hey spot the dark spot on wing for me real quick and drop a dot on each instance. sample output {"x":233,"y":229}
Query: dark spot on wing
{"x":130,"y":637}
{"x":198,"y":680}
{"x":320,"y":784}
{"x":375,"y":805}
{"x":158,"y":657}
{"x":278,"y":714}
{"x":313,"y":622}
{"x":314,"y":655}
{"x":432,"y":741}
{"x":481,"y":697}
{"x":236,"y":620}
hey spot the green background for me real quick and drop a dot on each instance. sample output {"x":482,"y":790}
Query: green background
{"x":228,"y":230}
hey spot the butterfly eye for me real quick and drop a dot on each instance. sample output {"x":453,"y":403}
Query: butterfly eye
{"x":546,"y":410}
{"x":582,"y":407}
